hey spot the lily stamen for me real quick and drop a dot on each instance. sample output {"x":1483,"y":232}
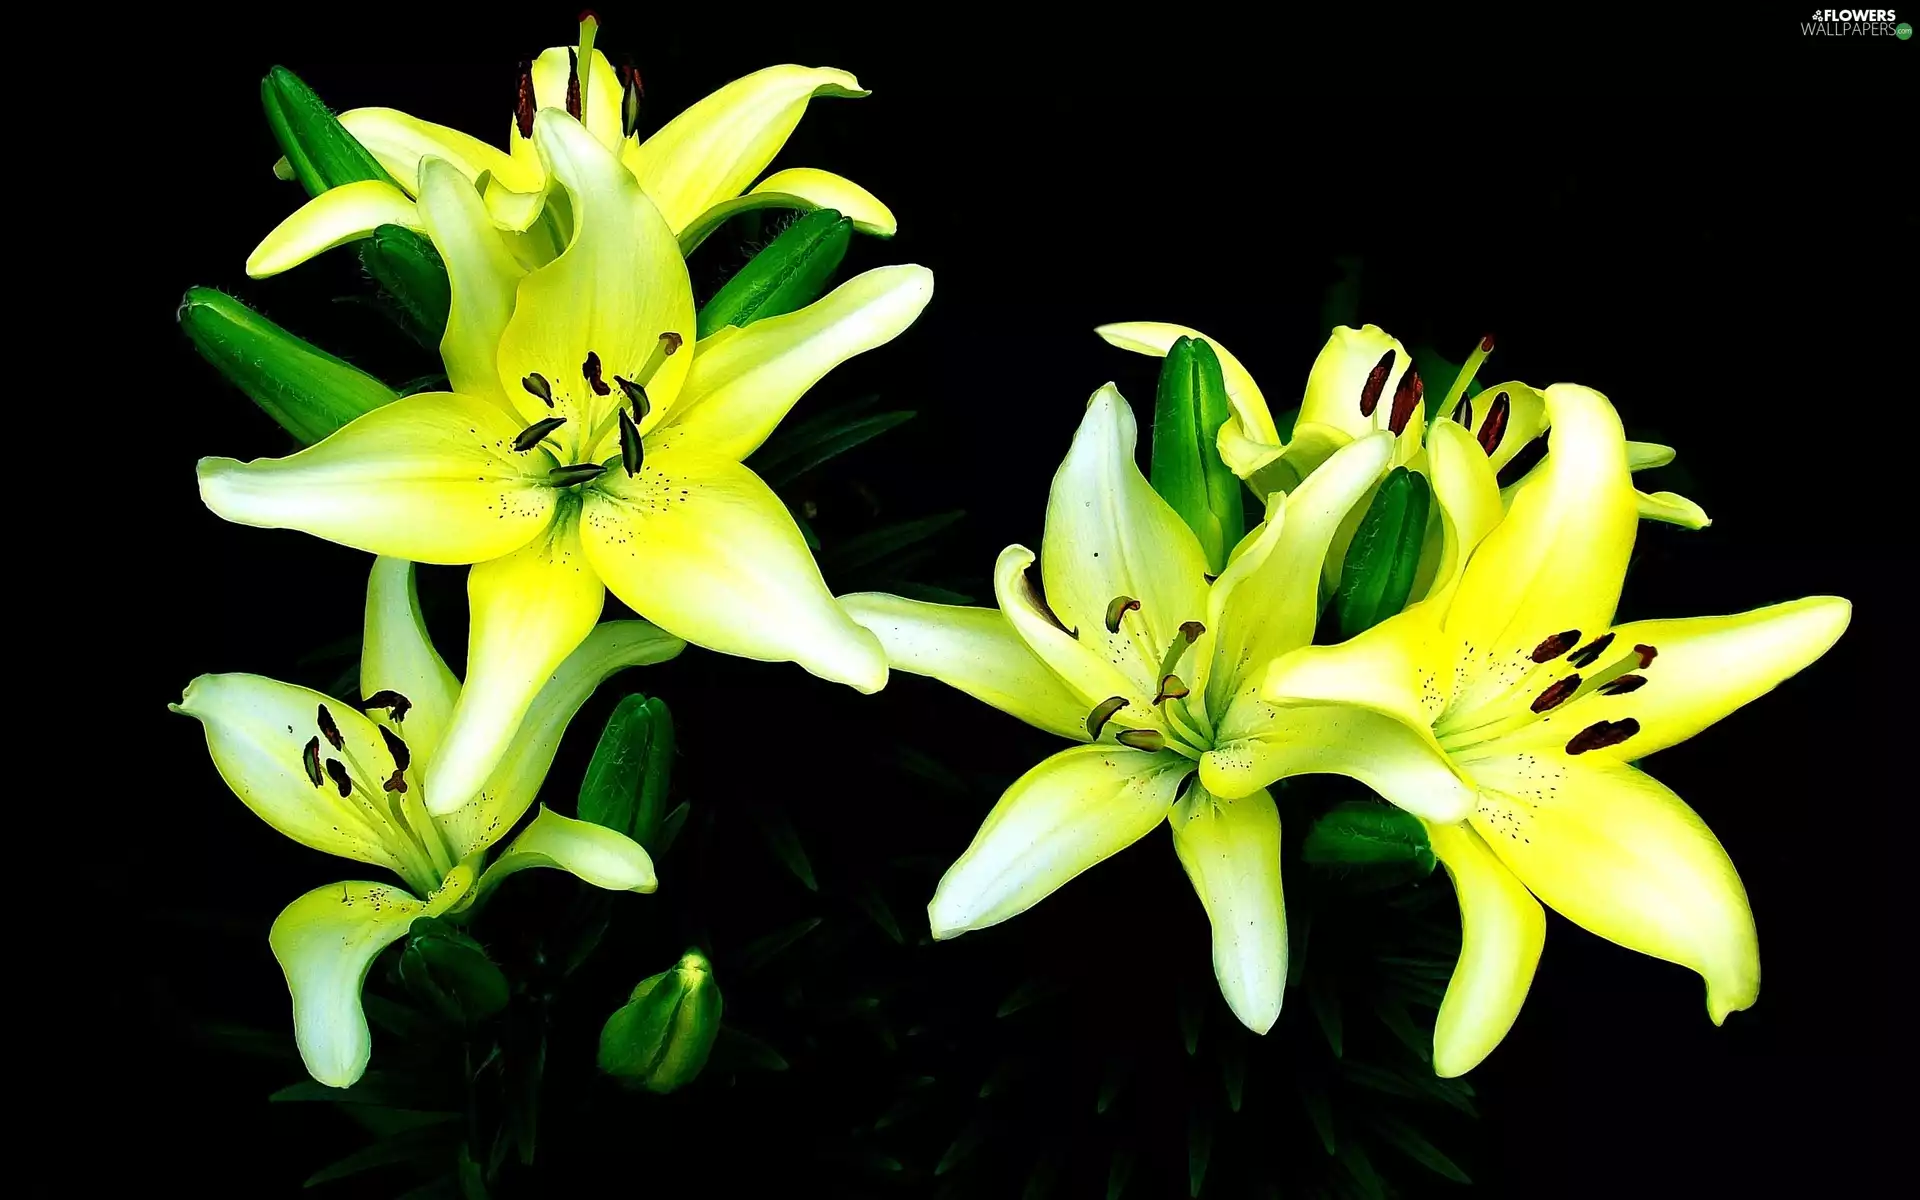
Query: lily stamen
{"x":1376,"y":383}
{"x":577,"y":87}
{"x":577,"y":473}
{"x":1117,"y":608}
{"x":1190,"y":632}
{"x":1102,"y":713}
{"x":536,"y":433}
{"x":1457,"y":393}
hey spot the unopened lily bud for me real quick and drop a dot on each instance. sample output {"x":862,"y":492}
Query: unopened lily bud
{"x":1187,"y":469}
{"x":661,"y":1037}
{"x":413,"y":280}
{"x":321,"y":154}
{"x":789,"y":274}
{"x":450,"y":973}
{"x":1376,"y":579}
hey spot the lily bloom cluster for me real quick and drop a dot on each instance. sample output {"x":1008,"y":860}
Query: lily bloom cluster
{"x":1503,"y":707}
{"x":586,"y":443}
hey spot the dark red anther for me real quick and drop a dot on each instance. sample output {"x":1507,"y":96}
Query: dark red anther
{"x":587,"y":14}
{"x":1601,"y":734}
{"x":338,"y":773}
{"x":1496,"y":426}
{"x":1486,"y":344}
{"x":310,"y":761}
{"x":402,"y":757}
{"x":1555,"y":646}
{"x":1624,"y":684}
{"x":591,"y":370}
{"x":397,"y":706}
{"x":1585,"y":655}
{"x":1406,"y":400}
{"x":1556,"y":695}
{"x":523,"y":104}
{"x":1376,"y":384}
{"x":1647,"y":655}
{"x":1191,"y":630}
{"x":573,"y":84}
{"x":329,"y":730}
{"x":1463,"y":413}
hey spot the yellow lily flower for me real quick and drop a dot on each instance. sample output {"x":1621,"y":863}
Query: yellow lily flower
{"x":577,"y":451}
{"x":353,"y":784}
{"x":1513,"y":673}
{"x":1134,"y":653}
{"x":696,"y":168}
{"x":1363,"y":381}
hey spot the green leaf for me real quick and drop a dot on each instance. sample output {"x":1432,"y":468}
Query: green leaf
{"x":782,"y":460}
{"x":1044,"y":1180}
{"x":412,"y":280}
{"x":625,"y":787}
{"x":1189,"y":409}
{"x":1362,"y":832}
{"x":1033,"y":991}
{"x":670,"y":827}
{"x":1313,"y":1095}
{"x":1111,"y":1081}
{"x":1354,"y":1159}
{"x":450,"y":973}
{"x":381,"y":1088}
{"x":789,"y":274}
{"x":1199,"y":1151}
{"x":1378,"y":575}
{"x":1192,"y":1005}
{"x":759,"y":952}
{"x":308,"y":391}
{"x":427,"y":1145}
{"x":735,"y":1048}
{"x":1410,"y":1142}
{"x":1395,"y":1018}
{"x":1233,"y":1074}
{"x":785,"y":844}
{"x":322,"y":154}
{"x":875,"y":906}
{"x":1119,"y":1173}
{"x":968,"y":1141}
{"x":874,"y":545}
{"x":1324,"y":999}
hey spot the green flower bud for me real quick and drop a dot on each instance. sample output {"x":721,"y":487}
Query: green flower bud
{"x":661,"y":1038}
{"x":789,"y":274}
{"x":321,"y":154}
{"x":1377,"y":577}
{"x":413,"y":280}
{"x":625,"y":787}
{"x":450,"y":973}
{"x":1187,"y":470}
{"x":308,"y":391}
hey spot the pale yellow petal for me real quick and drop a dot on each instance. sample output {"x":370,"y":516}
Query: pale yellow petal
{"x":741,"y":385}
{"x":700,"y":546}
{"x":1617,"y":853}
{"x":600,"y":856}
{"x":1502,"y":931}
{"x":400,"y":143}
{"x":1088,"y":673}
{"x":1510,"y":415}
{"x":600,"y":92}
{"x":325,"y":941}
{"x":1343,"y":391}
{"x":529,"y":610}
{"x":333,"y":218}
{"x":481,"y":274}
{"x":975,"y":650}
{"x":1231,"y":852}
{"x":397,"y":655}
{"x":1074,"y":810}
{"x":1252,"y":421}
{"x":1468,"y":497}
{"x":432,"y":477}
{"x":1671,"y":508}
{"x":803,"y":188}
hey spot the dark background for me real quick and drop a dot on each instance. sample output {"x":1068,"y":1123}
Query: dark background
{"x":1708,"y":225}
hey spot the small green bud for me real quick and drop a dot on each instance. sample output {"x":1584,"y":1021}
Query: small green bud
{"x":625,"y":787}
{"x":790,"y":273}
{"x":308,"y":391}
{"x":1377,"y":577}
{"x":413,"y":280}
{"x":661,"y":1037}
{"x":450,"y":973}
{"x":1187,"y":470}
{"x":321,"y":154}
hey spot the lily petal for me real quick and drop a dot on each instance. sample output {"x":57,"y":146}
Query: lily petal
{"x":1557,"y":561}
{"x":333,"y":218}
{"x":1231,"y":850}
{"x":1469,"y":499}
{"x":743,"y":382}
{"x":400,"y":143}
{"x":1672,"y":508}
{"x":700,"y":546}
{"x":256,"y":731}
{"x":1110,"y":535}
{"x":431,"y":477}
{"x":613,"y":646}
{"x":1342,"y":375}
{"x":1705,"y":668}
{"x":325,"y":941}
{"x":1259,"y":743}
{"x":1272,"y":606}
{"x":1502,"y":931}
{"x":397,"y":655}
{"x":797,"y":187}
{"x":1520,"y":414}
{"x":1075,"y":809}
{"x":1252,"y":430}
{"x":619,"y":286}
{"x":601,"y":856}
{"x":1644,"y":456}
{"x":600,"y":92}
{"x":530,"y":609}
{"x":1617,"y":853}
{"x":481,"y":273}
{"x":712,"y":151}
{"x":975,"y":650}
{"x":1091,"y":675}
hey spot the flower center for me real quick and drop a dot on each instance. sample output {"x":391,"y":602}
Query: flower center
{"x":1180,"y":726}
{"x":381,"y":796}
{"x":585,"y":413}
{"x":1562,"y":670}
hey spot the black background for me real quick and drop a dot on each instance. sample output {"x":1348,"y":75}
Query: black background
{"x":1708,"y":225}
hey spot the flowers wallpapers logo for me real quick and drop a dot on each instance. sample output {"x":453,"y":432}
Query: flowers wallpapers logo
{"x":755,"y":691}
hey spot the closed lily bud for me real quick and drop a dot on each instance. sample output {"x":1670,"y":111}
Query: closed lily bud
{"x":661,"y":1037}
{"x":1187,"y":469}
{"x":413,"y":280}
{"x":625,"y":787}
{"x":1377,"y":578}
{"x":320,"y":153}
{"x":450,"y":973}
{"x":308,"y":391}
{"x":789,"y":274}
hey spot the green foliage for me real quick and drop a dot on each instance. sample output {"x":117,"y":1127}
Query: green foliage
{"x":1367,"y":832}
{"x":1381,"y":561}
{"x":450,"y":974}
{"x":1189,"y":409}
{"x":789,"y":274}
{"x":308,"y":391}
{"x":625,"y":787}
